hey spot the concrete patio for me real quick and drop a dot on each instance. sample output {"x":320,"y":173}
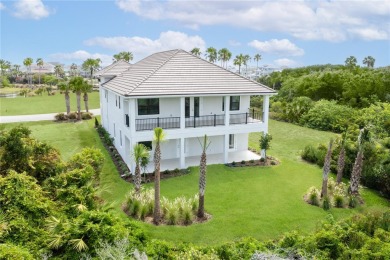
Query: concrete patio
{"x":170,"y":164}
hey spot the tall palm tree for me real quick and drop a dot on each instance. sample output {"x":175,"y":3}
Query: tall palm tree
{"x":196,"y":52}
{"x":123,"y":55}
{"x":58,"y":70}
{"x":28,"y":62}
{"x":86,"y":89}
{"x":358,"y":165}
{"x":239,"y":61}
{"x":351,"y":62}
{"x":211,"y":54}
{"x":224,"y":55}
{"x":73,"y":70}
{"x":247,"y":58}
{"x":369,"y":61}
{"x":65,"y":87}
{"x":257,"y":58}
{"x":202,"y":176}
{"x":326,"y":170}
{"x":91,"y":65}
{"x":4,"y":65}
{"x":77,"y":86}
{"x":341,"y":159}
{"x":139,"y":153}
{"x":158,"y":138}
{"x":40,"y":65}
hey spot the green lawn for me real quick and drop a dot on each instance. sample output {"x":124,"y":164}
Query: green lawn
{"x":9,"y":90}
{"x":258,"y":202}
{"x":43,"y":104}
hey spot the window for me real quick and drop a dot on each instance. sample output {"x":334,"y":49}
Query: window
{"x":187,"y":106}
{"x":119,"y":101}
{"x":148,"y":106}
{"x":114,"y":131}
{"x":116,"y":100}
{"x":196,"y":106}
{"x":231,"y":141}
{"x":223,"y":103}
{"x":148,"y":144}
{"x":234,"y":103}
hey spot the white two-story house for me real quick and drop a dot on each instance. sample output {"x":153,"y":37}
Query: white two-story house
{"x":186,"y":96}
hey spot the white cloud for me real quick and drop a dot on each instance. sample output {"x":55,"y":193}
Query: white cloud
{"x":309,"y":20}
{"x":234,"y":43}
{"x":2,"y":6}
{"x":369,"y":34}
{"x":82,"y":55}
{"x":144,"y":46}
{"x":30,"y":9}
{"x":280,"y":47}
{"x":285,"y":63}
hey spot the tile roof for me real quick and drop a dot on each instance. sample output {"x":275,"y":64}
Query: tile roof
{"x":114,"y":69}
{"x":177,"y":73}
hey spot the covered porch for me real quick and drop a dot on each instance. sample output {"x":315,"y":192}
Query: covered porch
{"x":236,"y":156}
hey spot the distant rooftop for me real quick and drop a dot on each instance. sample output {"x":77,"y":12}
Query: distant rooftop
{"x":114,"y":69}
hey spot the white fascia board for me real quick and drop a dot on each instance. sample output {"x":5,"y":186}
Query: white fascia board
{"x":200,"y":95}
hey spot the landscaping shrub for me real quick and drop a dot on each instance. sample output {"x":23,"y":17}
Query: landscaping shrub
{"x":313,"y":196}
{"x":72,"y":115}
{"x":86,"y":116}
{"x":61,"y":117}
{"x":10,"y":251}
{"x":326,"y":203}
{"x":314,"y":155}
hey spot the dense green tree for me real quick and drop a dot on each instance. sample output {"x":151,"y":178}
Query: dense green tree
{"x":123,"y":55}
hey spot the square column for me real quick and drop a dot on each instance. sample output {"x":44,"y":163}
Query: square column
{"x":265,"y":112}
{"x":227,"y":110}
{"x":226,"y":149}
{"x":182,"y":113}
{"x":182,"y":155}
{"x":132,"y":113}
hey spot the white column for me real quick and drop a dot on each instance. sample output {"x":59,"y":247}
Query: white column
{"x":182,"y":155}
{"x":132,"y":113}
{"x":182,"y":113}
{"x":132,"y":162}
{"x":265,"y":112}
{"x":227,"y":110}
{"x":226,"y":149}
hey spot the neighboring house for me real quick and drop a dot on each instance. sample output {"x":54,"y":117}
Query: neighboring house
{"x":188,"y":97}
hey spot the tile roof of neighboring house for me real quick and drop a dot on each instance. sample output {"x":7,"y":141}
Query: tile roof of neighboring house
{"x":114,"y":69}
{"x":177,"y":72}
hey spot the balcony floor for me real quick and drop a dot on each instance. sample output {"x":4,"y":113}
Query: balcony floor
{"x":237,"y":156}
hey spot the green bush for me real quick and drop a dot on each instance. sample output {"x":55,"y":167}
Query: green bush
{"x":72,"y":115}
{"x":61,"y":117}
{"x":326,"y":203}
{"x":86,"y":116}
{"x":313,"y":196}
{"x":11,"y":252}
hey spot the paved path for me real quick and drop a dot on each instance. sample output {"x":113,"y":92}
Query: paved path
{"x":38,"y":117}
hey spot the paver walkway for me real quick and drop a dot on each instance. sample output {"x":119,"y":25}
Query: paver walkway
{"x":38,"y":117}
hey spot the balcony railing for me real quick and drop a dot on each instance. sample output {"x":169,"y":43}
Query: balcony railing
{"x":194,"y":122}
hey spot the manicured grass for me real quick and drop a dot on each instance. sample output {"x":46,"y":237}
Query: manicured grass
{"x":43,"y":104}
{"x":9,"y":90}
{"x":259,"y":202}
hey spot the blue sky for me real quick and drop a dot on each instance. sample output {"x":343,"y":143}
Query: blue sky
{"x":286,"y":33}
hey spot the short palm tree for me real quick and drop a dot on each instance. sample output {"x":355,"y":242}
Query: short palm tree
{"x":91,"y":65}
{"x":211,"y":54}
{"x":123,"y":55}
{"x":159,"y":136}
{"x":139,"y":153}
{"x":196,"y":52}
{"x":202,"y":176}
{"x":326,"y":170}
{"x":77,"y":85}
{"x":40,"y":65}
{"x":358,"y":165}
{"x":28,"y":62}
{"x":87,"y":88}
{"x":65,"y":88}
{"x":257,"y":58}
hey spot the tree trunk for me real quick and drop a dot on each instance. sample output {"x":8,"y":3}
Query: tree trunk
{"x":67,"y":102}
{"x":78,"y":106}
{"x":201,"y":206}
{"x":263,"y":153}
{"x":86,"y":102}
{"x":202,"y":183}
{"x":157,"y":159}
{"x":340,"y":165}
{"x":137,"y":180}
{"x":326,"y":170}
{"x":356,"y":172}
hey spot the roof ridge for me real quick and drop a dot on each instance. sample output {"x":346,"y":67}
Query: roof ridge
{"x":152,"y":72}
{"x":228,"y":70}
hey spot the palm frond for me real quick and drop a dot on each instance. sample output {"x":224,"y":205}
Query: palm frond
{"x":78,"y":244}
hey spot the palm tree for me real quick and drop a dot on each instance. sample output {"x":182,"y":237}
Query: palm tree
{"x":77,"y":86}
{"x":224,"y":55}
{"x":257,"y":58}
{"x":239,"y":60}
{"x":196,"y":52}
{"x":58,"y":70}
{"x":73,"y":69}
{"x":158,"y":138}
{"x":66,"y":88}
{"x":4,"y":65}
{"x":202,"y":176}
{"x":27,"y":62}
{"x":341,"y":159}
{"x":247,"y":58}
{"x":123,"y":55}
{"x":91,"y":65}
{"x":326,"y":170}
{"x":86,"y":89}
{"x":211,"y":54}
{"x":351,"y":62}
{"x":40,"y":65}
{"x":369,"y":61}
{"x":139,"y":153}
{"x":358,"y":165}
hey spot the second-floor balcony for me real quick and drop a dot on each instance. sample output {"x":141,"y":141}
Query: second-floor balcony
{"x":148,"y":124}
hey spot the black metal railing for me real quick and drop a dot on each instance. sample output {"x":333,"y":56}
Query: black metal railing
{"x":201,"y":121}
{"x":151,"y":123}
{"x":245,"y":118}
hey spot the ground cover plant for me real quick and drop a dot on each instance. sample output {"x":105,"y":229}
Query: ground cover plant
{"x":42,"y":104}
